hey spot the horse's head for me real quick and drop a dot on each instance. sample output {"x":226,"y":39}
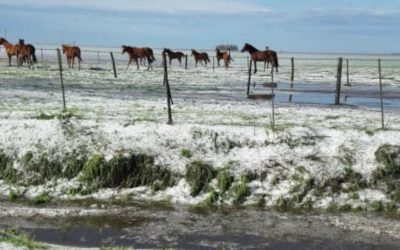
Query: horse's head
{"x":64,"y":48}
{"x":245,"y":47}
{"x":193,"y":52}
{"x":21,"y":41}
{"x":124,"y":49}
{"x":2,"y":40}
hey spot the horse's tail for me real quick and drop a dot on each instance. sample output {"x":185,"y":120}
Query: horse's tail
{"x":34,"y":59}
{"x":79,"y":55}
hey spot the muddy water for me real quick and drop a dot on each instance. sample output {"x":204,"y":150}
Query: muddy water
{"x":155,"y":226}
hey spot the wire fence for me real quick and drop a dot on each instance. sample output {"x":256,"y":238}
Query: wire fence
{"x":301,"y":78}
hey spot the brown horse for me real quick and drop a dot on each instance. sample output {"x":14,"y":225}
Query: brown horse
{"x":71,"y":52}
{"x":11,"y":50}
{"x":25,"y":53}
{"x":226,"y":56}
{"x":174,"y":55}
{"x":138,"y":53}
{"x":261,"y":56}
{"x":200,"y":56}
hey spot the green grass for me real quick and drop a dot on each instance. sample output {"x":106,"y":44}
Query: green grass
{"x":225,"y":180}
{"x":241,"y":190}
{"x":20,"y":239}
{"x":41,"y":199}
{"x":198,"y":175}
{"x":125,"y":170}
{"x":14,"y":195}
{"x":186,"y":153}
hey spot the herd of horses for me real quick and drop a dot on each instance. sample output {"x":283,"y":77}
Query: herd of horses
{"x":25,"y":53}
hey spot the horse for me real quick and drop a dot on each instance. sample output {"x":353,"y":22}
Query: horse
{"x":200,"y":56}
{"x":174,"y":55}
{"x":11,"y":50}
{"x":71,"y":52}
{"x":136,"y":53}
{"x":226,"y":56}
{"x":261,"y":56}
{"x":25,"y":53}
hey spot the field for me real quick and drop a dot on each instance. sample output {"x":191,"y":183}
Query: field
{"x":112,"y":143}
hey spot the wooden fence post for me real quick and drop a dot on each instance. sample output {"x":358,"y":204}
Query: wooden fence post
{"x":185,"y":61}
{"x":273,"y":97}
{"x":291,"y":78}
{"x":166,"y":83}
{"x":113,"y":64}
{"x":249,"y":80}
{"x":381,"y":92}
{"x":213,"y":63}
{"x":347,"y":73}
{"x":61,"y":77}
{"x":338,"y":80}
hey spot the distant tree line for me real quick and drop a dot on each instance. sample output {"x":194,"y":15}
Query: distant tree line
{"x":232,"y":47}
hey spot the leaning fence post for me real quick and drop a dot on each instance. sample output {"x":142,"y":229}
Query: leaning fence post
{"x":381,"y":92}
{"x":249,"y":80}
{"x":291,"y":78}
{"x":113,"y":64}
{"x":61,"y":77}
{"x":185,"y":61}
{"x":166,"y":83}
{"x":338,"y":80}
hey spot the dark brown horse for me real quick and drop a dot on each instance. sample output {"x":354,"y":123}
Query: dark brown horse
{"x":200,"y":56}
{"x":261,"y":56}
{"x":25,"y":53}
{"x":174,"y":55}
{"x":226,"y":56}
{"x":138,"y":53}
{"x":71,"y":52}
{"x":11,"y":50}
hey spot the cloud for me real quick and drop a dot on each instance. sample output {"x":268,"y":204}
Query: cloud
{"x":164,"y":6}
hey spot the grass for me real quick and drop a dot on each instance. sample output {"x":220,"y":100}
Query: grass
{"x":186,"y":153}
{"x":41,"y":169}
{"x":20,"y":239}
{"x":14,"y":195}
{"x":387,"y":175}
{"x":41,"y":199}
{"x":125,"y":170}
{"x":241,"y":190}
{"x":198,"y":175}
{"x":225,"y":180}
{"x":7,"y":171}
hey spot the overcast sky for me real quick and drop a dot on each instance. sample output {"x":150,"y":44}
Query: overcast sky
{"x":366,"y":26}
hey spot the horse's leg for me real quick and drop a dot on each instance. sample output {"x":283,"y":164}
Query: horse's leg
{"x":255,"y":66}
{"x":9,"y":60}
{"x":73,"y":62}
{"x":79,"y":64}
{"x":137,"y":63}
{"x":180,"y":63}
{"x":129,"y":62}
